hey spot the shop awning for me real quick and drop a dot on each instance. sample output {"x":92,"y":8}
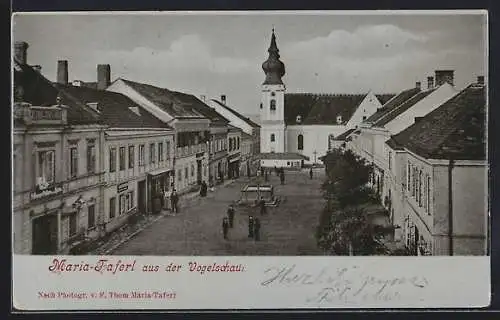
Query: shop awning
{"x":159,"y":171}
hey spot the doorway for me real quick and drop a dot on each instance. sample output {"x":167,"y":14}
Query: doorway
{"x":141,"y":197}
{"x":45,"y":235}
{"x":199,"y":171}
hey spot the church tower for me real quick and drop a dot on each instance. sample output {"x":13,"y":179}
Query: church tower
{"x":272,"y":135}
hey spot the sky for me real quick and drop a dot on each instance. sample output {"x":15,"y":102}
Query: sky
{"x":215,"y":54}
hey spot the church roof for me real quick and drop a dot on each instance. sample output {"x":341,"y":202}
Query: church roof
{"x":456,"y":129}
{"x":320,"y":108}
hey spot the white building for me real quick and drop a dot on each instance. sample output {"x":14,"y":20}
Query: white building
{"x":440,"y":178}
{"x":297,"y":126}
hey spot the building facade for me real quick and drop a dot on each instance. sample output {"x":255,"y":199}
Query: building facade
{"x":234,"y":152}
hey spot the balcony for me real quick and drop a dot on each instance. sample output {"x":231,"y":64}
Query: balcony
{"x":37,"y":115}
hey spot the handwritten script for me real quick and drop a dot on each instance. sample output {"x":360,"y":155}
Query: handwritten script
{"x":345,"y":284}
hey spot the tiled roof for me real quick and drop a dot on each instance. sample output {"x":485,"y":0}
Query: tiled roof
{"x":237,"y":114}
{"x":282,"y":156}
{"x":384,"y":97}
{"x":392,"y":114}
{"x":164,"y":99}
{"x":114,"y":108}
{"x":200,"y":107}
{"x":456,"y":129}
{"x":391,"y":104}
{"x":320,"y":108}
{"x":344,"y":135}
{"x":39,"y":91}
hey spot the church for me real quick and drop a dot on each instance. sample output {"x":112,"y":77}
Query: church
{"x":296,"y":127}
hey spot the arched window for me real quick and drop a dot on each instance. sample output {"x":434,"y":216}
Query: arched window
{"x":273,"y":105}
{"x":272,"y":137}
{"x":261,"y":105}
{"x":273,"y":94}
{"x":300,"y":142}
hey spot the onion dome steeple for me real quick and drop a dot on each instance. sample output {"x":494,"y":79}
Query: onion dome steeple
{"x":273,"y":67}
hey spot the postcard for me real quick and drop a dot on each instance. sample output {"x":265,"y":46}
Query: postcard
{"x":250,"y":160}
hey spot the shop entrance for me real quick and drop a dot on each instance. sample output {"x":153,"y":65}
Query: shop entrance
{"x":45,"y":236}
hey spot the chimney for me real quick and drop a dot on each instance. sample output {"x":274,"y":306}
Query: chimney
{"x":203,"y":98}
{"x":430,"y":82}
{"x":21,"y":52}
{"x":38,"y":68}
{"x":480,"y":80}
{"x":418,"y":85}
{"x":443,"y":76}
{"x":103,"y":76}
{"x":223,"y":98}
{"x":62,"y":71}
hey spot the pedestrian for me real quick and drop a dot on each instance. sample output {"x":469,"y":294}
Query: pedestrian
{"x":166,"y":199}
{"x":250,"y":227}
{"x":262,"y":206}
{"x":203,"y":189}
{"x":276,"y":171}
{"x":311,"y":173}
{"x":261,"y":171}
{"x":265,"y":175}
{"x":230,"y":215}
{"x":248,"y":170}
{"x":225,"y":227}
{"x":282,"y":177}
{"x":174,"y":200}
{"x":257,"y":229}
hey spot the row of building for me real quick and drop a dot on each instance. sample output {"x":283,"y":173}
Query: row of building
{"x":428,"y":150}
{"x":87,"y":156}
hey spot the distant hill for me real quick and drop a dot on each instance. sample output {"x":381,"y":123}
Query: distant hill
{"x":254,"y":117}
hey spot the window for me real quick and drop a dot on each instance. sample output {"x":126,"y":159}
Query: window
{"x":112,"y":207}
{"x":73,"y":165}
{"x":272,"y":137}
{"x":152,"y":153}
{"x":72,"y":224}
{"x":91,"y":215}
{"x":230,"y":144}
{"x":420,"y":191}
{"x":112,"y":159}
{"x":131,"y":203}
{"x":261,"y":105}
{"x":428,"y":194}
{"x":273,"y":94}
{"x":141,"y":155}
{"x":409,"y":176}
{"x":186,"y":173}
{"x":300,"y":142}
{"x":238,"y":143}
{"x":91,"y":158}
{"x":364,"y":118}
{"x":131,"y":156}
{"x":122,"y":158}
{"x":167,"y":146}
{"x":390,"y":160}
{"x":179,"y":174}
{"x":273,"y":105}
{"x":192,"y":170}
{"x":46,"y":167}
{"x":339,"y":119}
{"x":160,"y":151}
{"x":123,"y":204}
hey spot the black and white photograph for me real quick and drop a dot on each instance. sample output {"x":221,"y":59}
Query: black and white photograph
{"x":250,"y":134}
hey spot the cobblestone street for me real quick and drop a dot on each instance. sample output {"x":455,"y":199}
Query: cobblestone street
{"x":286,"y":230}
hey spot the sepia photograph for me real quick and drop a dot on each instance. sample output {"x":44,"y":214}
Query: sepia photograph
{"x":250,"y":134}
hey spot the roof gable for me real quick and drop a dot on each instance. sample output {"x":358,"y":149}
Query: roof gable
{"x":320,"y":108}
{"x":396,"y":111}
{"x":164,"y":99}
{"x":456,"y":129}
{"x":392,"y":103}
{"x":237,"y":114}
